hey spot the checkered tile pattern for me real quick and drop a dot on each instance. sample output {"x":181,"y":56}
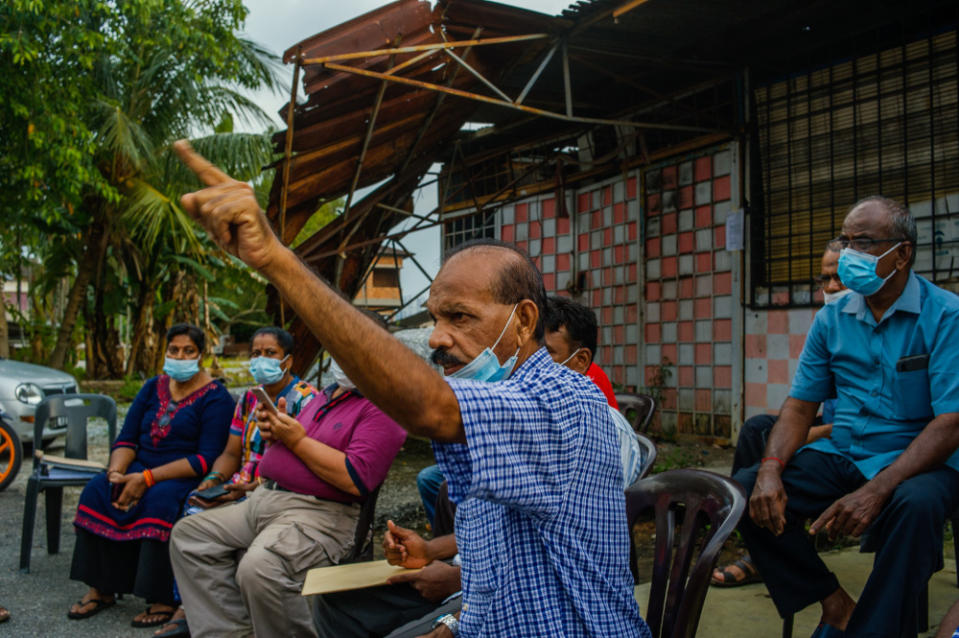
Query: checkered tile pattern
{"x":603,"y":222}
{"x":774,"y":339}
{"x":689,"y":291}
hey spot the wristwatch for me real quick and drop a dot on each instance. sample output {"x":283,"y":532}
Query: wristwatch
{"x":450,"y":621}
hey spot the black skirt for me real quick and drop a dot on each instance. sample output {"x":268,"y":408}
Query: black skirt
{"x":141,"y":567}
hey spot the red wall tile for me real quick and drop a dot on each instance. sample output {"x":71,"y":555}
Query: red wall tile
{"x":562,"y":261}
{"x":653,"y":291}
{"x":704,"y":216}
{"x":607,"y":195}
{"x":549,"y":245}
{"x":549,"y":208}
{"x":703,"y":169}
{"x":549,"y":282}
{"x":631,"y":188}
{"x":722,"y":283}
{"x":704,"y":401}
{"x":704,"y":308}
{"x":686,"y":197}
{"x":584,"y":242}
{"x":596,"y":220}
{"x":723,"y":330}
{"x":632,"y":313}
{"x":535,"y":230}
{"x":652,"y":247}
{"x":755,"y":346}
{"x":583,"y":202}
{"x":777,"y":322}
{"x":721,"y":189}
{"x":704,"y":354}
{"x":619,"y":254}
{"x":631,"y":229}
{"x":669,"y":177}
{"x":686,"y":242}
{"x":506,"y":232}
{"x":686,"y":288}
{"x":522,"y":213}
{"x":778,"y":370}
{"x":669,"y":353}
{"x":608,"y":237}
{"x":668,"y":310}
{"x":687,"y":331}
{"x":687,"y":376}
{"x":722,"y":376}
{"x":619,"y":213}
{"x":631,"y":273}
{"x":630,"y":354}
{"x":719,"y":237}
{"x":796,"y":343}
{"x":668,"y":267}
{"x":652,"y":333}
{"x":596,"y":258}
{"x":704,"y":262}
{"x":756,"y":395}
{"x":669,"y":223}
{"x":653,"y":204}
{"x":562,"y":225}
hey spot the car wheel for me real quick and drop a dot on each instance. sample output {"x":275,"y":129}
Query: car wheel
{"x":11,"y":454}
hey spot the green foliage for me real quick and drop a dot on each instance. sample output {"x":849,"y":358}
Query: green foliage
{"x":95,"y":92}
{"x":326,"y":213}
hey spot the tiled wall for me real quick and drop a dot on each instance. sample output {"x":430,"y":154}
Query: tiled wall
{"x":601,"y":231}
{"x":774,"y":339}
{"x":691,"y":300}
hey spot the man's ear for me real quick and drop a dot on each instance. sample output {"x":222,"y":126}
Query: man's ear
{"x":903,"y":255}
{"x":528,"y":315}
{"x":581,"y":360}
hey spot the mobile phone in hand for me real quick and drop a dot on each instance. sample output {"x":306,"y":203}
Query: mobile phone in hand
{"x":116,"y":489}
{"x":212,"y":493}
{"x":264,"y":399}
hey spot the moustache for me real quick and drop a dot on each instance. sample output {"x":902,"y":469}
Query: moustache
{"x":444,"y":359}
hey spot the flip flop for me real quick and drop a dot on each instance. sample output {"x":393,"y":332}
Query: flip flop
{"x":827,"y":631}
{"x":4,"y":615}
{"x":750,"y":575}
{"x":98,"y":605}
{"x":181,"y":630}
{"x":163,"y":618}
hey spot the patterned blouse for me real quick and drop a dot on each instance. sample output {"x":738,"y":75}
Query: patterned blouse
{"x":298,"y":393}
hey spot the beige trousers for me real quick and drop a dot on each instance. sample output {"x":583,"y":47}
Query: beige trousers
{"x":283,"y":535}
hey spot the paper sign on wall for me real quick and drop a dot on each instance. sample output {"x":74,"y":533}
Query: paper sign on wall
{"x":734,"y":230}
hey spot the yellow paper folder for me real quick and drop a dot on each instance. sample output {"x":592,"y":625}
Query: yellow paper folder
{"x":324,"y":580}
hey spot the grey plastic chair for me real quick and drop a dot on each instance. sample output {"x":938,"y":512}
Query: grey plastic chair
{"x":638,"y":410}
{"x":707,"y":507}
{"x":649,"y":455}
{"x":50,"y":476}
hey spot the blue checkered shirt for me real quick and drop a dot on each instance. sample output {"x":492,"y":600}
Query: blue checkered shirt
{"x":541,"y":521}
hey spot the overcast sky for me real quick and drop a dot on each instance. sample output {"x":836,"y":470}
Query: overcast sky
{"x":279,"y":24}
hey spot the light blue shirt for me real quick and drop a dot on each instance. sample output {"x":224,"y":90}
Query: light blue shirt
{"x":879,"y":409}
{"x":541,"y":522}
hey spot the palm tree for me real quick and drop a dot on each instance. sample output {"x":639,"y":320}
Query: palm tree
{"x":141,"y":248}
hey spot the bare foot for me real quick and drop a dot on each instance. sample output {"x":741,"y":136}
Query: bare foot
{"x":180,"y":614}
{"x":837,"y":609}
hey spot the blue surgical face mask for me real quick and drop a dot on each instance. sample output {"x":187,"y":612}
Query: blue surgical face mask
{"x":181,"y":370}
{"x":486,"y":365}
{"x":267,"y":370}
{"x":857,"y":271}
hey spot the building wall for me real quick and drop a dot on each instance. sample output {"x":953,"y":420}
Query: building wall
{"x":651,"y":247}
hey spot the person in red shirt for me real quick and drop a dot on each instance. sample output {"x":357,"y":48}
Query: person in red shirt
{"x":571,"y":336}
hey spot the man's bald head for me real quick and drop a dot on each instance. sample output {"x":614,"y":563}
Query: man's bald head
{"x":514,"y":276}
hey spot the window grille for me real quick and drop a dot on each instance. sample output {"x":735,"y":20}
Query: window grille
{"x":883,"y":123}
{"x":466,"y":227}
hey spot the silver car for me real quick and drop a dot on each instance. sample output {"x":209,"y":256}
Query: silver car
{"x":22,"y":387}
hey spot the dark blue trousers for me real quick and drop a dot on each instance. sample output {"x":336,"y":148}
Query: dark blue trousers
{"x":906,"y":537}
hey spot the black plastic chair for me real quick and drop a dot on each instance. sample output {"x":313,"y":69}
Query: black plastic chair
{"x":638,"y":410}
{"x":51,"y":474}
{"x":363,"y":535}
{"x":708,"y":507}
{"x":649,"y":455}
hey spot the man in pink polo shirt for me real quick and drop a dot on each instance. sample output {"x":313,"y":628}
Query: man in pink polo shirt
{"x":317,"y":470}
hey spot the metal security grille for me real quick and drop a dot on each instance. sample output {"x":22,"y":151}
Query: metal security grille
{"x":883,"y":123}
{"x":467,"y":227}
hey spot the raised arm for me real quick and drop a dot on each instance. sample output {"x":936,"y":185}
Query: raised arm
{"x":384,"y":370}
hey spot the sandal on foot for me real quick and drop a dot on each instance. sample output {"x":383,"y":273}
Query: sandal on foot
{"x":98,"y":605}
{"x":827,"y":631}
{"x":4,"y":615}
{"x":180,"y":631}
{"x":750,"y":574}
{"x":159,"y":618}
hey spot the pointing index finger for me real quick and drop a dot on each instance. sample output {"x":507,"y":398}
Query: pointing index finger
{"x":204,"y":169}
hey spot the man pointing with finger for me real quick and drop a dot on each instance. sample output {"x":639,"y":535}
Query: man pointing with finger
{"x":528,"y":447}
{"x":889,"y":468}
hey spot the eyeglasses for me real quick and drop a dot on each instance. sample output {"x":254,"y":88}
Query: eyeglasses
{"x":863,"y":244}
{"x":822,"y":280}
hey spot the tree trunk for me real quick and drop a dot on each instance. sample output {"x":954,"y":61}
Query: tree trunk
{"x":142,"y":327}
{"x":96,"y":245}
{"x":4,"y":329}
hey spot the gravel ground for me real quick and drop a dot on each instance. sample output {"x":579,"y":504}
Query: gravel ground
{"x":38,"y":601}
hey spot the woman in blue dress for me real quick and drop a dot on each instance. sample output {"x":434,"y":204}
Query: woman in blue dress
{"x":176,"y":427}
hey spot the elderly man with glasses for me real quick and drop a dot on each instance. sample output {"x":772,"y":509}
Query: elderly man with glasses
{"x":890,"y":468}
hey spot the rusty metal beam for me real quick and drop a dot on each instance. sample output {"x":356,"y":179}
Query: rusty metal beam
{"x":288,"y":159}
{"x":539,"y":71}
{"x":412,"y":258}
{"x":403,"y":212}
{"x":518,"y":107}
{"x":454,"y":44}
{"x":626,"y":8}
{"x":479,"y":76}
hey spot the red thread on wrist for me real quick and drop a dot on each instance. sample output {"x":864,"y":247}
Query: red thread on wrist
{"x":774,"y":458}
